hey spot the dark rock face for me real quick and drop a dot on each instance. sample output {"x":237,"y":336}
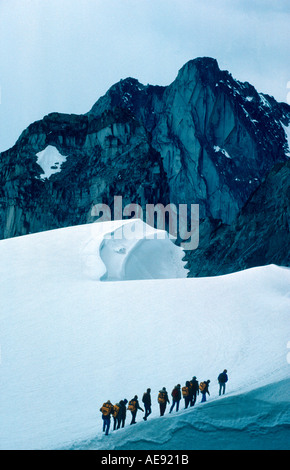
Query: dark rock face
{"x":217,"y":137}
{"x":205,"y":139}
{"x":260,"y":235}
{"x":107,"y":157}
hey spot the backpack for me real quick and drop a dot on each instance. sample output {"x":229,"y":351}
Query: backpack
{"x":116,"y":409}
{"x":162,"y":397}
{"x":132,"y":405}
{"x":106,"y":409}
{"x":194,"y":386}
{"x":185,"y":391}
{"x":202,"y":386}
{"x":222,"y":378}
{"x":174,"y":393}
{"x":146,"y":398}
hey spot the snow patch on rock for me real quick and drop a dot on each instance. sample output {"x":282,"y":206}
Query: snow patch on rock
{"x":50,"y":160}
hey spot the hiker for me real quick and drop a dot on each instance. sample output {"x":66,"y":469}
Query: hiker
{"x":115,"y":412}
{"x":121,"y":418}
{"x":222,"y":380}
{"x":186,"y":394}
{"x":203,"y":387}
{"x":194,"y":390}
{"x":176,"y":397}
{"x":106,"y":410}
{"x":134,"y":407}
{"x":147,"y":403}
{"x":163,"y":400}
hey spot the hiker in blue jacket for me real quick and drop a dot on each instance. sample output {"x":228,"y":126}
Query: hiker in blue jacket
{"x":222,"y":380}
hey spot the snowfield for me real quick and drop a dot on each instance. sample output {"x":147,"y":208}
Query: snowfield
{"x":70,"y":341}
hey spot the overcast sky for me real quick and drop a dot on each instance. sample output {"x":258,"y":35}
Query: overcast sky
{"x":62,"y":55}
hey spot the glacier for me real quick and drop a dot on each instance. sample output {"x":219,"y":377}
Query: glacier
{"x":105,"y":310}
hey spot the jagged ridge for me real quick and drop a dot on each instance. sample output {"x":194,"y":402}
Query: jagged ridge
{"x":206,"y":139}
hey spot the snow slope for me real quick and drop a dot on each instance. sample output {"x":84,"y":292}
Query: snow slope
{"x":69,"y":342}
{"x":255,"y":420}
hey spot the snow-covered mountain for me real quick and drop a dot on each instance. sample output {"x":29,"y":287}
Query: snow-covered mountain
{"x":70,"y":341}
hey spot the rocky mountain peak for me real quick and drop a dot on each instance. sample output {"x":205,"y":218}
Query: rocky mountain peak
{"x":120,"y":94}
{"x":205,"y":139}
{"x":205,"y":69}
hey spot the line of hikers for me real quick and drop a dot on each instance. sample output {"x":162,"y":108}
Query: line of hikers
{"x":189,"y":393}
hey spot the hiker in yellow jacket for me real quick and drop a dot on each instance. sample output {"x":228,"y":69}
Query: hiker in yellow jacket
{"x":203,"y":387}
{"x":134,"y":407}
{"x":107,"y":411}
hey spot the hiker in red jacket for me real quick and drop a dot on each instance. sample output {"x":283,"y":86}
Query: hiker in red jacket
{"x":176,"y":397}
